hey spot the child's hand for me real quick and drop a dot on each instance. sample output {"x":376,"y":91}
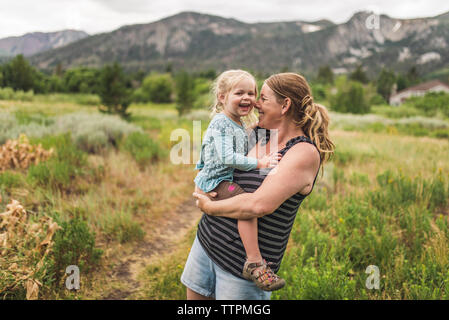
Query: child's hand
{"x":269,"y":161}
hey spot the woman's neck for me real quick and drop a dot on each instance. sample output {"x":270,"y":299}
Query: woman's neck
{"x":286,"y":132}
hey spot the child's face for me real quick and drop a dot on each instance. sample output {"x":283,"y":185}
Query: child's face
{"x":241,"y":99}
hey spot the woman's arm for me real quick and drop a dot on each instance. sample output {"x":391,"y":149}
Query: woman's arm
{"x":295,"y":173}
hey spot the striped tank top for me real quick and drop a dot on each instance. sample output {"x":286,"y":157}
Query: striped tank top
{"x":220,"y":238}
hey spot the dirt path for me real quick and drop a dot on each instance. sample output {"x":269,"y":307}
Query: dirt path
{"x":155,"y":245}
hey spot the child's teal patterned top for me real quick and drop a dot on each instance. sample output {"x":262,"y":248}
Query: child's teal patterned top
{"x":223,"y":150}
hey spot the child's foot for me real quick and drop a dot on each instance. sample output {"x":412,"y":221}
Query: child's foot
{"x":261,"y":274}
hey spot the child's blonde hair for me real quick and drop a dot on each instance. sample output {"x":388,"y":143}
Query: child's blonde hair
{"x":224,"y":83}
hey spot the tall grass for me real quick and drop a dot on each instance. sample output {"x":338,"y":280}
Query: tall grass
{"x":383,"y":201}
{"x":411,"y":125}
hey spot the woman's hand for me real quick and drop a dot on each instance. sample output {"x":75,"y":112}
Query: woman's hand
{"x":201,"y":201}
{"x":211,"y":194}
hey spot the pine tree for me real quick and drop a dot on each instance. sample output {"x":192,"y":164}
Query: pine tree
{"x":325,"y":75}
{"x":184,"y":93}
{"x":385,"y":83}
{"x":19,"y":74}
{"x":113,"y":91}
{"x":359,"y":75}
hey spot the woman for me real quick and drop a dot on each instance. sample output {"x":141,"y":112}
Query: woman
{"x":213,"y":269}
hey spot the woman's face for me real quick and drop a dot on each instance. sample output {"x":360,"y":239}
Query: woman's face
{"x":269,"y":109}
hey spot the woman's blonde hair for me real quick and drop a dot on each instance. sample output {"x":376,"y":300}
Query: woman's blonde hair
{"x":223,"y":85}
{"x":312,"y":118}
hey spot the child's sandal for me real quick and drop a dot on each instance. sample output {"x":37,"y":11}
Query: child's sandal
{"x":262,"y":275}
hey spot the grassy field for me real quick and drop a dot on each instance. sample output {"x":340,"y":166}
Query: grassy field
{"x":383,"y":201}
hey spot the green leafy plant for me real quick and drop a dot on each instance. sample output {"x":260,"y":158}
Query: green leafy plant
{"x":74,"y":244}
{"x":142,"y":148}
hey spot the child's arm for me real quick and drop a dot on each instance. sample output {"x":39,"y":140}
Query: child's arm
{"x":224,"y":147}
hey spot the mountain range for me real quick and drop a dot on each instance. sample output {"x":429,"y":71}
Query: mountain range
{"x":195,"y":41}
{"x":32,"y":43}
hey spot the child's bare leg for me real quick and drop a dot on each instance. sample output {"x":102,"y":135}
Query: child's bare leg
{"x":249,"y":236}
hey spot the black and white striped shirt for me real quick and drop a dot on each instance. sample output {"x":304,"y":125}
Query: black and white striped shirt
{"x":220,"y":238}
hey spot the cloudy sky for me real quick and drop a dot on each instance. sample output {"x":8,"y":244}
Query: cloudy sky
{"x":93,"y":16}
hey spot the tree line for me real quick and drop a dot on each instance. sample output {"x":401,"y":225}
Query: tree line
{"x":116,"y":88}
{"x":356,"y":92}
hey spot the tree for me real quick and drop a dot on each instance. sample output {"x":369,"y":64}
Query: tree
{"x":208,"y":74}
{"x":54,"y":84}
{"x":81,"y":79}
{"x":18,"y":74}
{"x":412,"y":76}
{"x":350,"y":98}
{"x":113,"y":91}
{"x":325,"y":75}
{"x":359,"y":75}
{"x":385,"y":83}
{"x":402,"y":82}
{"x":59,"y":71}
{"x":184,"y":92}
{"x":169,"y":67}
{"x":158,"y":88}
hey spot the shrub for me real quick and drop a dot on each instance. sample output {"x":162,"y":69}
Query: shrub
{"x":94,"y":132}
{"x":13,"y":125}
{"x":157,"y":88}
{"x":58,"y":173}
{"x":20,"y":95}
{"x":74,"y":244}
{"x":20,"y":154}
{"x":142,"y":148}
{"x":90,"y":132}
{"x":350,"y":98}
{"x":318,"y":91}
{"x":432,"y":103}
{"x":26,"y":244}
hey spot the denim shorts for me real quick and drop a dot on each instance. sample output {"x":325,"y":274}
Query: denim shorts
{"x":203,"y":276}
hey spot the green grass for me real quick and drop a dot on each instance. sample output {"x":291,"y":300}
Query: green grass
{"x":383,"y":201}
{"x":59,"y":172}
{"x":143,"y":149}
{"x":121,"y":226}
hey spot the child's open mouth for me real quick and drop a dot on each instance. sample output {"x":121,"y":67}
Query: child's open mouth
{"x":245,"y":106}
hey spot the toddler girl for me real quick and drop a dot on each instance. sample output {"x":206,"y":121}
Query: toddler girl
{"x":223,"y":150}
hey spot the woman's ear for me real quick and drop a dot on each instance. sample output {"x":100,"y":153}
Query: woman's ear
{"x":286,"y":105}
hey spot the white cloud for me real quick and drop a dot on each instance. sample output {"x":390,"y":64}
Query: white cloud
{"x":94,"y":16}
